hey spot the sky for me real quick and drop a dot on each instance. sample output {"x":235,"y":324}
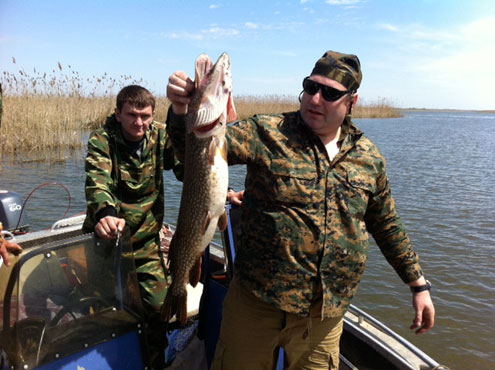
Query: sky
{"x":414,"y":53}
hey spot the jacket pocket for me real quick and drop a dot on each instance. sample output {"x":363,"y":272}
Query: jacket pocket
{"x":136,"y":186}
{"x":293,"y":185}
{"x":360,"y":186}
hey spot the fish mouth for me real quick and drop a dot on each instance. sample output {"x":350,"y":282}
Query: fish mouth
{"x":203,"y":129}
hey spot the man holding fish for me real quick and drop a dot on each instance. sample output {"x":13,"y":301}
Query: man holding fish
{"x":315,"y":187}
{"x":124,"y":187}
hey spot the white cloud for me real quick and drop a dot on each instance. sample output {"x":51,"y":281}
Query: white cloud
{"x":451,"y":65}
{"x":480,"y":31}
{"x":471,"y":55}
{"x":214,"y":6}
{"x":216,"y":32}
{"x":473,"y":37}
{"x":290,"y":26}
{"x":418,"y":32}
{"x":388,"y":27}
{"x":251,"y":25}
{"x":304,"y":1}
{"x":182,"y":36}
{"x":342,"y":2}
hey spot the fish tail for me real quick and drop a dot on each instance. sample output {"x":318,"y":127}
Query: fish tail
{"x":167,"y":310}
{"x":182,"y":309}
{"x":175,"y":304}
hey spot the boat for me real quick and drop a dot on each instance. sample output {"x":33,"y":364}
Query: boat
{"x":71,"y":301}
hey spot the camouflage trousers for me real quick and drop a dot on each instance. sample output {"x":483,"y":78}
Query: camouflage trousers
{"x":153,"y":283}
{"x":252,"y":332}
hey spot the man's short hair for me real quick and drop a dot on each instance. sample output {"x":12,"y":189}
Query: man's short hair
{"x":136,"y":96}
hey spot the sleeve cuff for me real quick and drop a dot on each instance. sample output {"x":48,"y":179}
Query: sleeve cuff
{"x":175,"y":119}
{"x":104,"y":212}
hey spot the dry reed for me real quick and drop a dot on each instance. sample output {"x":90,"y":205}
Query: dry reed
{"x":248,"y":105}
{"x":47,"y":116}
{"x":381,"y":108}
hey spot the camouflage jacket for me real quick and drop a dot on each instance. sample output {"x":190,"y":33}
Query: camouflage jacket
{"x":305,"y":219}
{"x":120,"y":183}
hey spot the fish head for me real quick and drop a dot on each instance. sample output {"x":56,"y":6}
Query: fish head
{"x":212,"y":106}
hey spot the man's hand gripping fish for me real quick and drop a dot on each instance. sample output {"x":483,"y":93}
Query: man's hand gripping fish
{"x":204,"y":192}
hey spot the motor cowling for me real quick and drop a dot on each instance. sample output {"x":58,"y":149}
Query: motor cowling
{"x":11,"y":215}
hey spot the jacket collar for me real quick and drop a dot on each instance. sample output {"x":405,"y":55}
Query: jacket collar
{"x":112,"y":126}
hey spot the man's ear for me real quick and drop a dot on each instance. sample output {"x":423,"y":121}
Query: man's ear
{"x":354,"y":98}
{"x":117,"y":114}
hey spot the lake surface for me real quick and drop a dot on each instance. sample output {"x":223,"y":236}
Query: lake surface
{"x":442,"y":169}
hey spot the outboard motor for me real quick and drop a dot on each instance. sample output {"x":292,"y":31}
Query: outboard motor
{"x":10,"y":211}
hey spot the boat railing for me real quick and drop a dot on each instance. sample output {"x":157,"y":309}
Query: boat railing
{"x":363,"y":316}
{"x":70,"y":221}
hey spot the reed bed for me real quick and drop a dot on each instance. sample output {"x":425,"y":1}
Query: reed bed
{"x":381,"y":108}
{"x":48,"y":127}
{"x":248,"y":105}
{"x":46,"y":117}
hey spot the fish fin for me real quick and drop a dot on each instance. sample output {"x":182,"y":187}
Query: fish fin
{"x":231,"y":111}
{"x":224,"y":150}
{"x":175,"y":305}
{"x":203,"y":65}
{"x":182,"y":309}
{"x":207,"y":223}
{"x":168,"y":308}
{"x":212,"y":150}
{"x":223,"y":221}
{"x":195,"y":273}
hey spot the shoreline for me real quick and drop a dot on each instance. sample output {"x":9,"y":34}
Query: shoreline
{"x":484,"y":111}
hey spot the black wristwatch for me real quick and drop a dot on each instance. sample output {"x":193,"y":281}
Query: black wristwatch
{"x":421,"y":288}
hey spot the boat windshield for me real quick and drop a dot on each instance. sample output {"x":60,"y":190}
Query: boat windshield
{"x":66,"y":295}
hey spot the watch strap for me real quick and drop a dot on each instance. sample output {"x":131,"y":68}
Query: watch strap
{"x":421,"y":288}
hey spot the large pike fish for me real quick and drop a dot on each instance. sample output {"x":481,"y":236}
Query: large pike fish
{"x":202,"y":205}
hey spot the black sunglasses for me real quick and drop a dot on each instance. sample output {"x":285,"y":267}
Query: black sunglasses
{"x":329,"y":93}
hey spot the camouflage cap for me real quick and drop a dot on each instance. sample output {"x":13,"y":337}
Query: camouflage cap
{"x":344,"y":68}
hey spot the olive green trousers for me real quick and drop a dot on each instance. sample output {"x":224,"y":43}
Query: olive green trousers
{"x":252,"y":332}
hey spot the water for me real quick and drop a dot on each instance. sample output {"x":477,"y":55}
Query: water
{"x":442,"y":171}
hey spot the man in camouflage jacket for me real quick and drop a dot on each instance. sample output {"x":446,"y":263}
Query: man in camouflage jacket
{"x":315,"y":187}
{"x":124,"y":186}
